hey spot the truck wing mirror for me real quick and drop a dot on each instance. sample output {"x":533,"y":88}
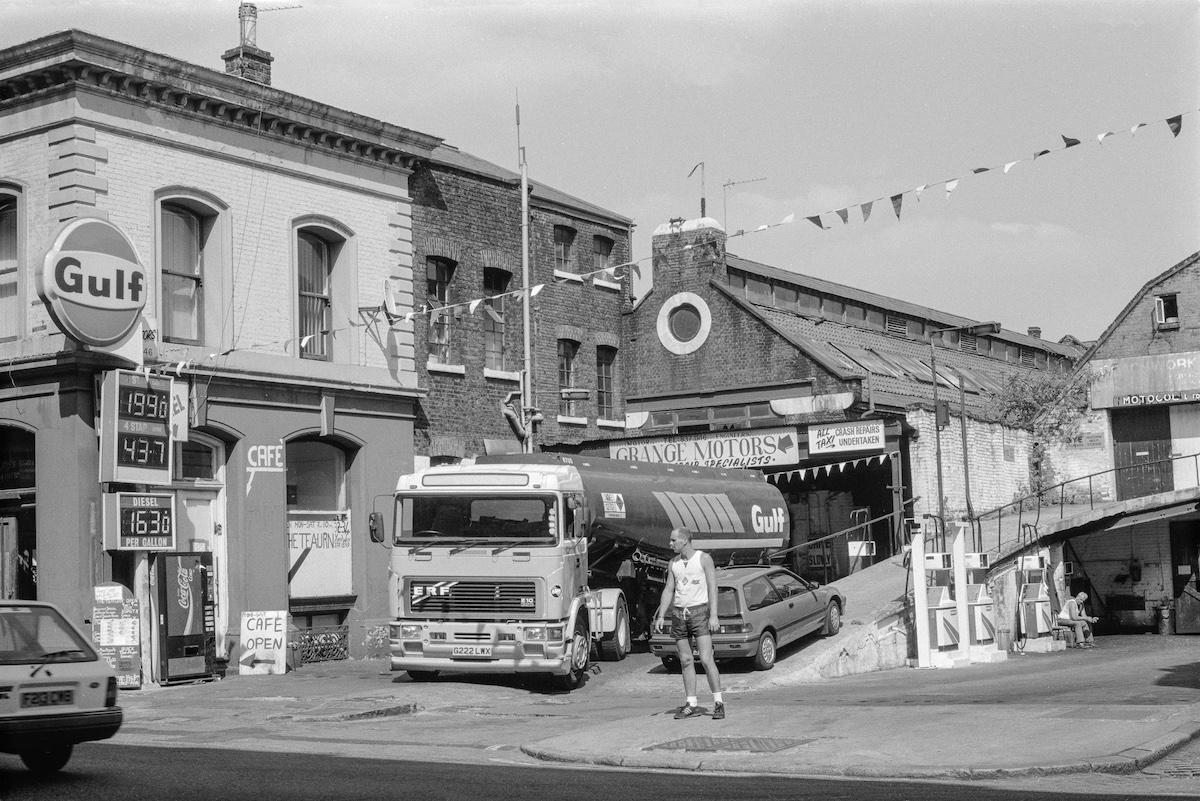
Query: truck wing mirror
{"x":376,"y":526}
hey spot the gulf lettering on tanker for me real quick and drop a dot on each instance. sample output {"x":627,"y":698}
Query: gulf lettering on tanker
{"x":716,"y":524}
{"x":759,"y":448}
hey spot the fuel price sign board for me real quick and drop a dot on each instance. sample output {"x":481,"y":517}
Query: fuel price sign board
{"x":135,"y":428}
{"x":139,"y":521}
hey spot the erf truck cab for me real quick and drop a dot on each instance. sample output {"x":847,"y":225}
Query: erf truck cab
{"x":524,"y":563}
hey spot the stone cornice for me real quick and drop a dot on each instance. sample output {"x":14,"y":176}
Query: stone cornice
{"x":71,"y":60}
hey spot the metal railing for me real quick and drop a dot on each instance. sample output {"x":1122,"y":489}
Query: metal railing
{"x":831,"y":557}
{"x":1016,"y":523}
{"x":324,"y":644}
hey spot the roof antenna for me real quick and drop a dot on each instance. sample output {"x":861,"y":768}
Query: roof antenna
{"x":700,"y":167}
{"x":725,"y":204}
{"x":248,"y":18}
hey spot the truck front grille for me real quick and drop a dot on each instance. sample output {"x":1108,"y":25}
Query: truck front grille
{"x":428,"y":597}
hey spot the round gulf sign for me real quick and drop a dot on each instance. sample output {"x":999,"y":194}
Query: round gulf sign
{"x":92,"y":282}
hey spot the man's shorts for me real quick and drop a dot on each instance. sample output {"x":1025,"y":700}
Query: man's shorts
{"x":689,"y":621}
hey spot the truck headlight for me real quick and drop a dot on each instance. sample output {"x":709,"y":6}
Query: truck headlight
{"x":408,"y":631}
{"x":535,"y":634}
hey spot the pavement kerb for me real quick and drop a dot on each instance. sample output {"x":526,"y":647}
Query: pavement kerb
{"x":1128,"y":761}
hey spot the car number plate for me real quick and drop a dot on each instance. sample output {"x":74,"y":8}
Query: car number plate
{"x":471,"y":650}
{"x":48,"y":698}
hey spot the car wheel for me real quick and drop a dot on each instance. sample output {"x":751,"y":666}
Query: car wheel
{"x":615,"y":645}
{"x":581,"y":645}
{"x":47,"y":760}
{"x":422,"y":675}
{"x":764,"y":657}
{"x":671,"y":663}
{"x":833,"y":619}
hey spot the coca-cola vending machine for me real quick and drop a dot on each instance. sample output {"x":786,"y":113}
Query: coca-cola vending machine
{"x":186,"y":617}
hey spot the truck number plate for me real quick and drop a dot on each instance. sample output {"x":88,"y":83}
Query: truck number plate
{"x":48,"y":698}
{"x":471,"y":650}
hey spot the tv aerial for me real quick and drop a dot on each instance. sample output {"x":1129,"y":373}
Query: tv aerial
{"x":248,"y":19}
{"x":724,"y":205}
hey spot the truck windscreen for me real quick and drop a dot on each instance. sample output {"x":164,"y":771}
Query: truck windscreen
{"x":478,"y":518}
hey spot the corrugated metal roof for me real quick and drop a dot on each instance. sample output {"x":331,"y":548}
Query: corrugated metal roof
{"x":901,"y":307}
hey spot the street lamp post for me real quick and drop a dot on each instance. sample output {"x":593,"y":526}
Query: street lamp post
{"x":976,"y":329}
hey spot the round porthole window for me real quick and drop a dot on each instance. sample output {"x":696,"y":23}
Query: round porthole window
{"x":684,"y":323}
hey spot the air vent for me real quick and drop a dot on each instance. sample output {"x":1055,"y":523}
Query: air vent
{"x":897,"y":325}
{"x":967,"y":343}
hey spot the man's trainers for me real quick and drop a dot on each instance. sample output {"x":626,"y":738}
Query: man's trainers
{"x":718,"y":712}
{"x":687,"y":711}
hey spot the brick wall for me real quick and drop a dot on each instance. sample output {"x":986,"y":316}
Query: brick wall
{"x":475,"y":221}
{"x":1105,"y":560}
{"x":999,"y":464}
{"x":739,"y":351}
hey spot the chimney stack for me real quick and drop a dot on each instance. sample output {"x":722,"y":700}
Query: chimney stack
{"x":247,"y":60}
{"x":1035,"y":332}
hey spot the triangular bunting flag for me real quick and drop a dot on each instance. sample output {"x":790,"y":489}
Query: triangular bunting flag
{"x":1101,"y":137}
{"x":791,"y":218}
{"x":844,"y":214}
{"x":919,"y":190}
{"x":533,"y":292}
{"x":978,"y":170}
{"x":1010,"y":165}
{"x":408,"y":316}
{"x":473,"y":306}
{"x":1068,"y":142}
{"x":816,"y":220}
{"x":866,"y":209}
{"x":1133,"y":131}
{"x":1175,"y":124}
{"x":896,"y":201}
{"x":1040,"y":153}
{"x":950,"y":187}
{"x":305,"y":340}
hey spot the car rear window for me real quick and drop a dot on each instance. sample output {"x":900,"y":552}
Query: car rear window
{"x":727,"y":602}
{"x":32,"y":634}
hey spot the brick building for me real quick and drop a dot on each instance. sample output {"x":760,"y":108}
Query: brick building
{"x":1133,"y":463}
{"x":277,"y":256}
{"x":825,"y":388}
{"x":470,"y":356}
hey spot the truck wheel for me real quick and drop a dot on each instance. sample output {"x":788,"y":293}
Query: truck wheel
{"x":581,"y":647}
{"x":47,"y":760}
{"x":422,"y":675}
{"x":833,"y":619}
{"x":615,"y":645}
{"x":764,"y":657}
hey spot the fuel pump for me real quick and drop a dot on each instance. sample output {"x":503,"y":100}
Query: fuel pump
{"x":1036,"y":617}
{"x":943,"y":612}
{"x":979,"y":602}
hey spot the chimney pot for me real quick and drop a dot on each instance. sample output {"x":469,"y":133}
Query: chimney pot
{"x":1035,"y":332}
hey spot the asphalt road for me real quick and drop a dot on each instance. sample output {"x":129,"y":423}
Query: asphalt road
{"x":129,"y":773}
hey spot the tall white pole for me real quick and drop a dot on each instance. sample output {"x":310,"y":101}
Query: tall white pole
{"x":527,"y":404}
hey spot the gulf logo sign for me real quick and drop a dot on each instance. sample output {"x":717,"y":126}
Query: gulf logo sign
{"x":92,"y":282}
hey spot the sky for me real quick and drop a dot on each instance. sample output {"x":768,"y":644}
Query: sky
{"x":796,"y":109}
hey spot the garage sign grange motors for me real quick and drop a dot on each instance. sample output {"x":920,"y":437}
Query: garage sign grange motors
{"x":92,"y":282}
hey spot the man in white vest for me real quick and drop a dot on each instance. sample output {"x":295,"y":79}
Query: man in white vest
{"x":690,"y":595}
{"x":1072,"y":614}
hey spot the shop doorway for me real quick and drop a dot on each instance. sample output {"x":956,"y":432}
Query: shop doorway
{"x":1141,"y":450}
{"x":1185,"y":570}
{"x":8,"y":558}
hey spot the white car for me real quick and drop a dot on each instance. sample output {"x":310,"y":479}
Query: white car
{"x":55,"y":690}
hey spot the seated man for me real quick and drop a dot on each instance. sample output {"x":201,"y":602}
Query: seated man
{"x":1073,"y":615}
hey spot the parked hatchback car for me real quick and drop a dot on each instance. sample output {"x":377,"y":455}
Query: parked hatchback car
{"x":55,"y":690}
{"x":761,"y":608}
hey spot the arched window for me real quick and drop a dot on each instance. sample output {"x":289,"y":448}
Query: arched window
{"x":11,"y":318}
{"x":325,"y":284}
{"x":316,"y":476}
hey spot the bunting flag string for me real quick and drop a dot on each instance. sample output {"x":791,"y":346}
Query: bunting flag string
{"x":829,"y":469}
{"x":1175,"y":124}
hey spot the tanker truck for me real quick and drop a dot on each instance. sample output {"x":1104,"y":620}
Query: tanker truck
{"x":526,"y":563}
